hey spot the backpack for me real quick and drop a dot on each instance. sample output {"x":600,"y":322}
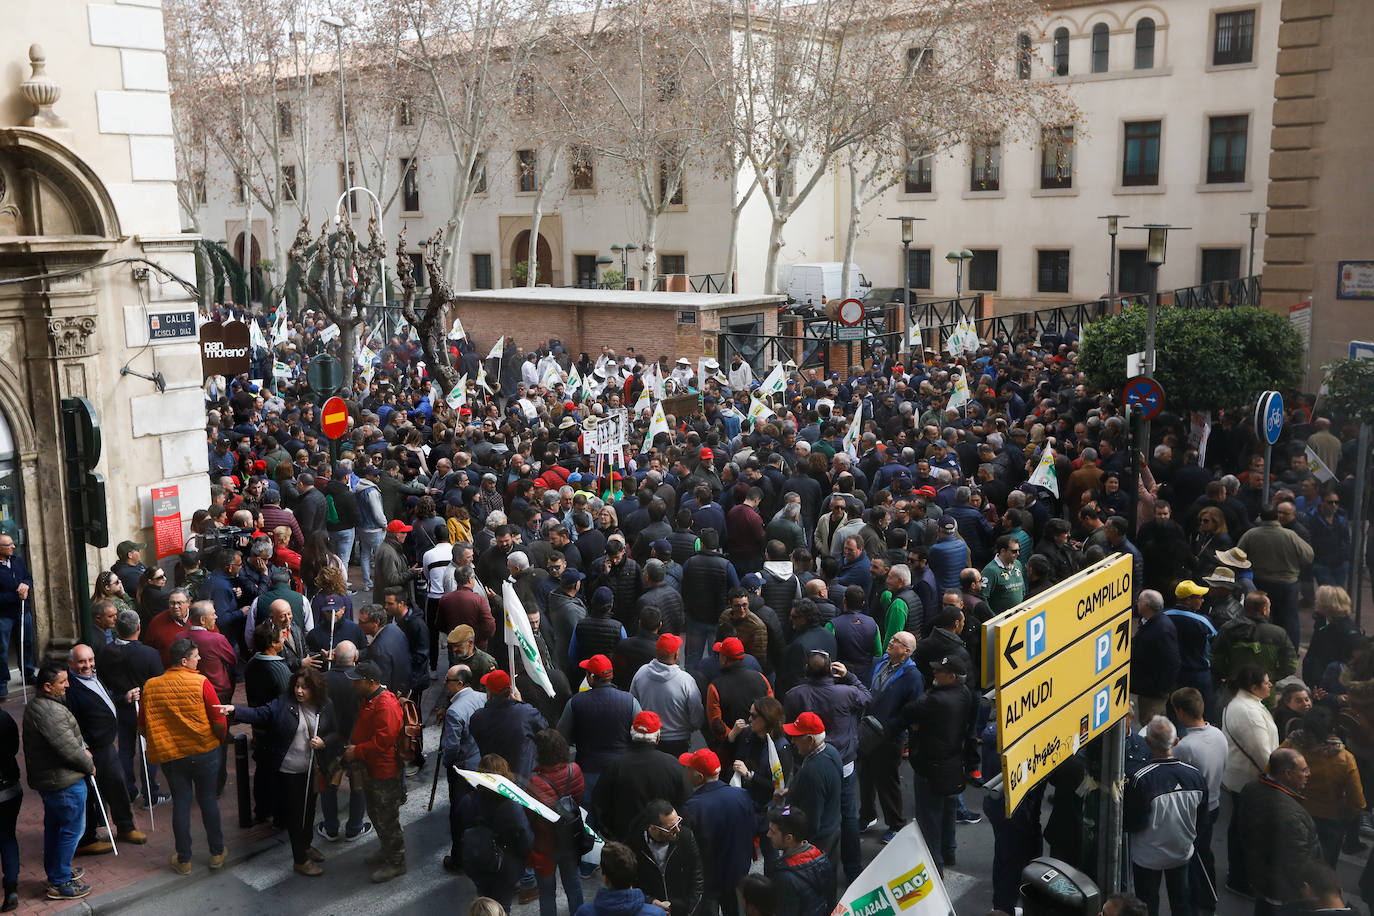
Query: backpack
{"x":408,"y":739}
{"x":568,"y":828}
{"x":482,"y":852}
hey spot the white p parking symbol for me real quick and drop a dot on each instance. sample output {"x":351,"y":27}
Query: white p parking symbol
{"x":1102,"y":652}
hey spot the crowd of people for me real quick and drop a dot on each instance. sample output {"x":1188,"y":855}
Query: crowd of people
{"x":748,"y":622}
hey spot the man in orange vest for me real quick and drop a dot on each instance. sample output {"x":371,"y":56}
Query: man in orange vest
{"x":185,"y":725}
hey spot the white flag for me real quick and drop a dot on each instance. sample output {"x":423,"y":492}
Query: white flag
{"x":507,"y":788}
{"x":1045,"y":475}
{"x":774,"y":768}
{"x":459,"y":395}
{"x":643,"y":402}
{"x":521,"y":636}
{"x":775,"y":382}
{"x":913,"y":334}
{"x":281,"y":370}
{"x":456,"y":332}
{"x":255,"y":338}
{"x":574,"y":381}
{"x":1317,"y":467}
{"x":759,"y":410}
{"x":482,"y":377}
{"x":279,"y":332}
{"x":902,"y":878}
{"x":497,"y":348}
{"x":851,"y":435}
{"x":552,"y":375}
{"x":659,"y":424}
{"x":330,"y":332}
{"x":959,"y":396}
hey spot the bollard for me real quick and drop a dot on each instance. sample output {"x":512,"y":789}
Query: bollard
{"x":241,"y":771}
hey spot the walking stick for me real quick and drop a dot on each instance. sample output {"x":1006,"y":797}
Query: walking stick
{"x":100,"y":803}
{"x":305,"y":801}
{"x":434,"y":784}
{"x":23,"y":671}
{"x":329,"y":655}
{"x":147,"y":779}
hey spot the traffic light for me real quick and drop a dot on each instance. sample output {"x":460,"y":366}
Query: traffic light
{"x":85,"y":488}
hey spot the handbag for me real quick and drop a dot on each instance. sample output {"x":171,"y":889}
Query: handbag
{"x":872,"y":735}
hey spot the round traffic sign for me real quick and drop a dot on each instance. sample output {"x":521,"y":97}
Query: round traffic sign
{"x":851,"y":312}
{"x":1269,"y":416}
{"x":334,"y":418}
{"x":1146,"y":395}
{"x":324,"y":374}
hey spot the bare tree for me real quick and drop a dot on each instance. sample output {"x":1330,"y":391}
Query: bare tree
{"x":324,"y":263}
{"x":429,"y":326}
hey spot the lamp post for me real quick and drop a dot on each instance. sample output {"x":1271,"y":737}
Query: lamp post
{"x":1113,"y":226}
{"x":908,"y":232}
{"x":338,"y":25}
{"x":624,"y":252}
{"x":958,"y":259}
{"x":602,"y":262}
{"x":1254,"y":224}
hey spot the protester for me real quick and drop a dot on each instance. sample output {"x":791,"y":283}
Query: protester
{"x":372,"y":749}
{"x":58,"y":765}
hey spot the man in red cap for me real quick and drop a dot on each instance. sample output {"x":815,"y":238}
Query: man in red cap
{"x":724,"y":815}
{"x":664,"y":688}
{"x":817,"y":782}
{"x":730,"y":695}
{"x":390,"y":569}
{"x":597,"y":721}
{"x":505,"y":725}
{"x":635,"y":778}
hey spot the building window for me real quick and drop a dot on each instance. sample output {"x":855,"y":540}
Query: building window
{"x":288,"y":183}
{"x":481,"y":271}
{"x":986,"y":171}
{"x":919,"y":166}
{"x":1056,"y":157}
{"x":410,"y":186}
{"x":1102,"y":39}
{"x":1234,"y":41}
{"x":478,"y":176}
{"x":417,"y":267}
{"x":1226,"y":149}
{"x":284,"y":125}
{"x":580,"y":164}
{"x":1132,"y":272}
{"x":665,"y":177}
{"x":405,"y":113}
{"x":346,"y":182}
{"x":672,"y":264}
{"x":982,"y":270}
{"x":1023,"y":56}
{"x":918,"y":268}
{"x":1052,"y":271}
{"x":1145,"y":44}
{"x":527,"y":170}
{"x":1220,"y":264}
{"x":1061,"y":52}
{"x":524,"y":94}
{"x":1140,"y":163}
{"x":584,"y":266}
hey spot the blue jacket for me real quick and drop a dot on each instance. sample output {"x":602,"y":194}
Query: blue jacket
{"x":815,"y":788}
{"x":611,"y":902}
{"x":505,"y":726}
{"x":948,"y":558}
{"x":725,"y":815}
{"x":279,"y":720}
{"x":391,"y":651}
{"x":840,"y":704}
{"x":1195,"y":634}
{"x":10,"y":578}
{"x":973,"y":528}
{"x":855,"y":572}
{"x":903,"y":687}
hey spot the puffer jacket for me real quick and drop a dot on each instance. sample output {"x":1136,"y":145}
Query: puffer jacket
{"x":54,"y":756}
{"x":389,"y":566}
{"x":681,"y":871}
{"x":706,"y":578}
{"x":625,"y":582}
{"x":805,"y":881}
{"x":668,"y":602}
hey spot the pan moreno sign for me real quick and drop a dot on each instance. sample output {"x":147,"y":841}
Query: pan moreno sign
{"x":224,"y":349}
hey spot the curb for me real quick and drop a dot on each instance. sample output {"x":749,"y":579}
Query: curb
{"x":125,"y":897}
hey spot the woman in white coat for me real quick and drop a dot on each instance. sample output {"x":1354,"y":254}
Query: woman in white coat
{"x":1251,"y":736}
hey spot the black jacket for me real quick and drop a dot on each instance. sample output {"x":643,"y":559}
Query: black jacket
{"x":706,"y":579}
{"x":625,"y":582}
{"x":278,"y":721}
{"x":631,"y":781}
{"x":1154,"y":657}
{"x":345,"y":505}
{"x":939,"y":644}
{"x":310,"y":509}
{"x":805,"y":881}
{"x":668,"y":602}
{"x":124,"y":667}
{"x":390,"y":649}
{"x":631,"y":654}
{"x":97,"y":720}
{"x":941,"y":718}
{"x":679,"y":881}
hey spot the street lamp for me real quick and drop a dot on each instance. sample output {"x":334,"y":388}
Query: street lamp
{"x":958,"y":258}
{"x":624,"y":252}
{"x":1254,"y":224}
{"x":1155,"y":249}
{"x":908,"y":232}
{"x":338,"y":25}
{"x":1113,"y":225}
{"x":602,"y":262}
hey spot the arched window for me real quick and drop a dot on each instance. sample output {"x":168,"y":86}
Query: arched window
{"x":1101,"y":40}
{"x":1023,"y":56}
{"x":1145,"y":44}
{"x":1061,"y":52}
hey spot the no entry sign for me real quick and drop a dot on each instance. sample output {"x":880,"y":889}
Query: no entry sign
{"x":334,"y":418}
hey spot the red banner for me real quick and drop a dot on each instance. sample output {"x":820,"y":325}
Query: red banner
{"x":167,"y":521}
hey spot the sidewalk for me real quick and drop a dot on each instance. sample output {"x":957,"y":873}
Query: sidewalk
{"x":134,"y":864}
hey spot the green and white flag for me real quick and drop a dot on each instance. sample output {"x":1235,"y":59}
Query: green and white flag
{"x":508,"y":789}
{"x":575,"y":383}
{"x":520,"y":635}
{"x":482,"y":377}
{"x":659,"y":424}
{"x":255,"y":338}
{"x":759,"y":410}
{"x":643,"y":402}
{"x":279,"y":331}
{"x":959,"y":396}
{"x":281,"y":370}
{"x":851,"y":435}
{"x":1045,"y":474}
{"x":901,"y":879}
{"x":552,"y":375}
{"x":774,"y":382}
{"x":459,"y":395}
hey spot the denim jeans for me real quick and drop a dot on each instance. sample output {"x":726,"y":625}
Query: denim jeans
{"x":700,"y":638}
{"x":194,"y":778}
{"x":341,"y":542}
{"x":6,"y":633}
{"x":850,"y":854}
{"x":329,"y":809}
{"x":1331,"y":573}
{"x":64,"y":820}
{"x":566,"y":868}
{"x":369,"y":540}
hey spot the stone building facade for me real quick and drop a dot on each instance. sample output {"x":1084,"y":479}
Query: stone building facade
{"x":91,"y":253}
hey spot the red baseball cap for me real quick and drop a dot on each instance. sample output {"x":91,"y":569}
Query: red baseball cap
{"x":646,"y":725}
{"x":597,"y":665}
{"x":497,"y":681}
{"x":703,"y":761}
{"x":397,"y":526}
{"x":730,"y":647}
{"x":541,"y":482}
{"x":569,"y":405}
{"x":808,"y":723}
{"x":668,"y":643}
{"x":927,"y":491}
{"x":706,"y":454}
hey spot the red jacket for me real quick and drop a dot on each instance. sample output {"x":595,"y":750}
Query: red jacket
{"x":375,"y":734}
{"x":218,"y":661}
{"x":161,"y":632}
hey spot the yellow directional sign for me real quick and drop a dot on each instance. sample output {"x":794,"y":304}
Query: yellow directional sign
{"x":1036,"y":630}
{"x":1053,"y":740}
{"x":1029,"y":699}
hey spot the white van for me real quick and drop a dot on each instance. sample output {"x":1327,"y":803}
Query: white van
{"x":813,"y":285}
